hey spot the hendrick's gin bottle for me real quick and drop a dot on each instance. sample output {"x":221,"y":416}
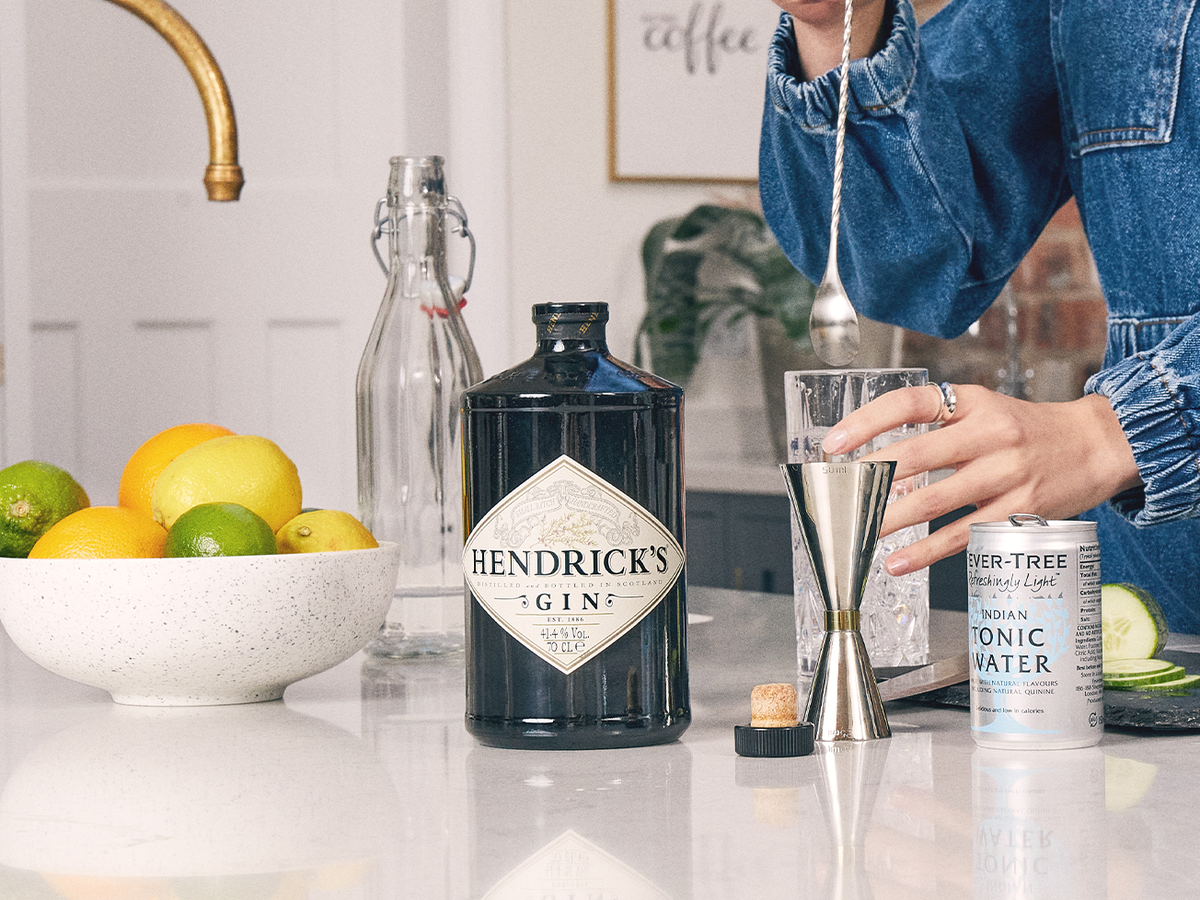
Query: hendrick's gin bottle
{"x":574,"y":559}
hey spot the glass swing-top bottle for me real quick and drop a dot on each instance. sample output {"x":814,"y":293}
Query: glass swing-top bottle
{"x":417,"y":362}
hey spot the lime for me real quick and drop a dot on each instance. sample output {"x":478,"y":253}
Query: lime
{"x":220,"y":529}
{"x":323,"y":530}
{"x":33,"y":496}
{"x":244,"y":469}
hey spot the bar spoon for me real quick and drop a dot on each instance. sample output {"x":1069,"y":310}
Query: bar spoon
{"x":832,"y":323}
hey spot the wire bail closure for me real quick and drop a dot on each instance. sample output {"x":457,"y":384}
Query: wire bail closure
{"x":454,"y":209}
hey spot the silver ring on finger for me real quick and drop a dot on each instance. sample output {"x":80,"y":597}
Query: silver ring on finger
{"x":949,"y":402}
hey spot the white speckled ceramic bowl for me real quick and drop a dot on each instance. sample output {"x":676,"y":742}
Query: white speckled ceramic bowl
{"x":196,"y":632}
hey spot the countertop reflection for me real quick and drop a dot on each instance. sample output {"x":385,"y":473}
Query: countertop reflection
{"x":362,"y":784}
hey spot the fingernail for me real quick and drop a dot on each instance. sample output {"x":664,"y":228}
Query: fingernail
{"x":896,"y":566}
{"x":835,"y":441}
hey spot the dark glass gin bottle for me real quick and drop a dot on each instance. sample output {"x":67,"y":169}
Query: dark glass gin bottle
{"x":574,"y":559}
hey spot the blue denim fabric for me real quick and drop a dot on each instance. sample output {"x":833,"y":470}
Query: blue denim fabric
{"x":964,"y":138}
{"x":1160,"y":558}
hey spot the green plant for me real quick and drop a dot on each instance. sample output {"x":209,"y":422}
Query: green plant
{"x":717,"y":263}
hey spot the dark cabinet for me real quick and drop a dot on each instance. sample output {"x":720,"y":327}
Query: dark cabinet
{"x":740,"y":541}
{"x":744,"y":541}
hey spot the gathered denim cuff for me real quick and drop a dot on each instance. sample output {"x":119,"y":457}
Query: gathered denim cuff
{"x":878,"y":84}
{"x":1148,"y":401}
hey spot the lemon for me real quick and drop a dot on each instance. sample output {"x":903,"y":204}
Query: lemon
{"x":143,"y":467}
{"x":239,"y":468}
{"x":33,"y":496}
{"x":323,"y":530}
{"x":220,"y":529}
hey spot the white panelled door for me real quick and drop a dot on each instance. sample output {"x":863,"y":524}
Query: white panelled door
{"x":150,"y":306}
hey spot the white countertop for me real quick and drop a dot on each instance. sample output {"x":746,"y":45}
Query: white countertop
{"x":362,"y":784}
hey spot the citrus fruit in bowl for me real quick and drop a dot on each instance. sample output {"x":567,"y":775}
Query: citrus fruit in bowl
{"x":220,"y":529}
{"x":148,"y":461}
{"x":242,"y":468}
{"x":323,"y":530}
{"x":34,"y":496}
{"x":196,"y":630}
{"x":102,"y":532}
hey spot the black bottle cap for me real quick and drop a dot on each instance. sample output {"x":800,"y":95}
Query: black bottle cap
{"x":788,"y":740}
{"x":570,"y":321}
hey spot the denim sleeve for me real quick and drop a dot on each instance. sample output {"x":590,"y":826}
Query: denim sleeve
{"x":1156,"y":396}
{"x":943,"y":154}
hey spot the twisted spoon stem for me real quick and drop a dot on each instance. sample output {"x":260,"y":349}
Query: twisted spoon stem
{"x":840,"y":139}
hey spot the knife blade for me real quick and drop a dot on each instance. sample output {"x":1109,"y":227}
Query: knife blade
{"x":936,"y":675}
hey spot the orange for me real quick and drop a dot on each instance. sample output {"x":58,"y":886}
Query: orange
{"x":108,"y":887}
{"x":148,"y":460}
{"x":102,"y":532}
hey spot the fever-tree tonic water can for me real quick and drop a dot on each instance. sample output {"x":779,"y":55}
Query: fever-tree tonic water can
{"x":1035,"y":639}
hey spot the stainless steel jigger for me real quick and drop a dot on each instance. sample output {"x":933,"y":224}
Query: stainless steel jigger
{"x":851,"y":777}
{"x":840,"y":510}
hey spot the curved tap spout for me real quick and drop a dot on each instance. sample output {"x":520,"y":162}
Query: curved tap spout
{"x":223,"y":177}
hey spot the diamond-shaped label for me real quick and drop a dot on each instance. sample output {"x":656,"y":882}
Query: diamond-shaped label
{"x":566,"y":563}
{"x":572,"y":866}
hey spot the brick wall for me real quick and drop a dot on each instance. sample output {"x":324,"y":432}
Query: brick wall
{"x":1043,"y":337}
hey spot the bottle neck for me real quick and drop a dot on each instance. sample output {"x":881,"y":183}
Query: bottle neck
{"x":418,"y":268}
{"x":418,"y":242}
{"x":572,"y":346}
{"x":417,"y":231}
{"x":571,"y":327}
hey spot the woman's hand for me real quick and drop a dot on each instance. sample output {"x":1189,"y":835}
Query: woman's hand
{"x":820,"y":26}
{"x":1008,"y":456}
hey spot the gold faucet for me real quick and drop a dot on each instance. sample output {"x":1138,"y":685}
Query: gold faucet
{"x":223,"y":177}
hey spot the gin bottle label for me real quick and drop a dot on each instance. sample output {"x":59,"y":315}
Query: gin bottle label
{"x":567,"y":564}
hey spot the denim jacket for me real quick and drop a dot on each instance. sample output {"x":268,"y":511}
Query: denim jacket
{"x":963,"y":140}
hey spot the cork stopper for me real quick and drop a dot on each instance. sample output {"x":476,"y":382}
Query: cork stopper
{"x":775,"y":729}
{"x":773,"y":706}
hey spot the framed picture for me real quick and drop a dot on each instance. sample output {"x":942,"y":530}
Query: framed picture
{"x":686,"y":86}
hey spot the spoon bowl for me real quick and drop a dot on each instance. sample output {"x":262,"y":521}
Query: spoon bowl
{"x":833,"y":324}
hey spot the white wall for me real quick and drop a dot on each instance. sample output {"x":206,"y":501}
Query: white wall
{"x":15,"y":413}
{"x":575,"y":235}
{"x":149,"y":306}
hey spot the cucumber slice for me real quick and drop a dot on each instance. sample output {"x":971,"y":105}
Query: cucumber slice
{"x":1132,"y":623}
{"x":1126,"y":782}
{"x":1118,"y":668}
{"x":1167,"y":680}
{"x":1134,"y":682}
{"x":1187,"y":682}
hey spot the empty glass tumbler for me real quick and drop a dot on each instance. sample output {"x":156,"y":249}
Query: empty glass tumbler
{"x":895,"y":609}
